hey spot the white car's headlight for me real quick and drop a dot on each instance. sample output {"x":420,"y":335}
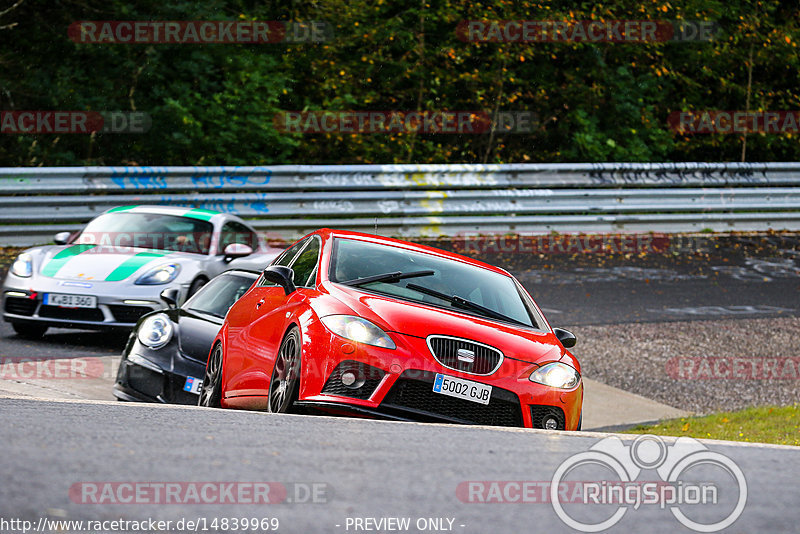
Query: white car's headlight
{"x":358,"y":329}
{"x":23,"y":266}
{"x":163,"y":274}
{"x":155,"y":331}
{"x":556,"y":375}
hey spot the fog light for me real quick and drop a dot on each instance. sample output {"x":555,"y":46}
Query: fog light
{"x":348,"y":378}
{"x":550,"y":423}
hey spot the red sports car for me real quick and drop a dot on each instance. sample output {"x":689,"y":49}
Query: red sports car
{"x":358,"y":324}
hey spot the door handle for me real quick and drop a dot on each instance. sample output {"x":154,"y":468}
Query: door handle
{"x":259,"y":303}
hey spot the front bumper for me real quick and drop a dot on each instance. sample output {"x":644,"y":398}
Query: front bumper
{"x":145,"y":379}
{"x":118,"y":305}
{"x":398,"y":384}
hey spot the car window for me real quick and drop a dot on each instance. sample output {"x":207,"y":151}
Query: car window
{"x":285,"y":259}
{"x":236,"y":232}
{"x":148,"y":230}
{"x":305,"y":264}
{"x":354,"y":259}
{"x":288,"y":255}
{"x":216,"y":297}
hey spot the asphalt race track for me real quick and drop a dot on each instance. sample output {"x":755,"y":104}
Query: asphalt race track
{"x":358,"y":468}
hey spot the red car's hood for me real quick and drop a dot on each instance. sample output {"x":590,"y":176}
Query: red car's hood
{"x":420,"y":320}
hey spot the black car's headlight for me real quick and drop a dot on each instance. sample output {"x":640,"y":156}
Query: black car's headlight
{"x":556,"y":375}
{"x":358,"y":329}
{"x":155,"y":331}
{"x":23,"y":266}
{"x":163,"y":274}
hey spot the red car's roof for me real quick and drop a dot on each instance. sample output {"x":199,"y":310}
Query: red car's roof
{"x":410,"y":246}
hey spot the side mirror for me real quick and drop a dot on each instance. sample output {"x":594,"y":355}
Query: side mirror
{"x":237,"y":250}
{"x":61,"y":238}
{"x":566,"y":337}
{"x":170,"y":296}
{"x":281,"y":275}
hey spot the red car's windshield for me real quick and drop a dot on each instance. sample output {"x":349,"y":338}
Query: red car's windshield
{"x":435,"y":280}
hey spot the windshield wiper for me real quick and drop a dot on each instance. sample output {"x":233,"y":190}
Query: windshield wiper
{"x":463,"y":303}
{"x":387,"y":277}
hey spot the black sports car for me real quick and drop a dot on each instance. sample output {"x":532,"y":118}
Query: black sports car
{"x":165,"y":357}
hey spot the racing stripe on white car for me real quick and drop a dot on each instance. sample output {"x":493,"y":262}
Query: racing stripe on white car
{"x":59,"y":260}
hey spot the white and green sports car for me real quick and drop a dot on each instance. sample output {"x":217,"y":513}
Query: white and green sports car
{"x":116,"y":268}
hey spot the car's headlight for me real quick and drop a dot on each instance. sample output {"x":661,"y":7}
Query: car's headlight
{"x":162,"y":274}
{"x":358,"y":329}
{"x":23,"y":266}
{"x":155,"y":331}
{"x":556,"y":375}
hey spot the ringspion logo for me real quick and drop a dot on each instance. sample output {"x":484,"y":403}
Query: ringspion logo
{"x":705,"y":491}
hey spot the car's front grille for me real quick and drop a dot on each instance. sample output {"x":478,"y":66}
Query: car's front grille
{"x":20,"y":305}
{"x":145,"y":381}
{"x":128,"y":314}
{"x":367,"y":379}
{"x":539,"y":414}
{"x":416,"y":395}
{"x":75,"y":314}
{"x":465,"y":355}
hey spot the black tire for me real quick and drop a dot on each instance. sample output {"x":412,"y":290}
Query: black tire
{"x":211,"y":390}
{"x":285,"y":382}
{"x":29,"y":330}
{"x":195,"y":287}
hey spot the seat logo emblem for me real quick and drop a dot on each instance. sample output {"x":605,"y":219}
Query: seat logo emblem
{"x":465,"y":355}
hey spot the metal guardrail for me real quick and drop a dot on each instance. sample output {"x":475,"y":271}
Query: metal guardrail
{"x":418,"y":200}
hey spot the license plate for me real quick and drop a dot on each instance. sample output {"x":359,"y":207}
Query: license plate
{"x":70,"y":301}
{"x":462,"y":389}
{"x":193,"y":385}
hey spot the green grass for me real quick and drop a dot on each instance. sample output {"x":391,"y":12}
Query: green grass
{"x":763,"y":424}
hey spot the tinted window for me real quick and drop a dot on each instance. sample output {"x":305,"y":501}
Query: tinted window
{"x":354,"y":259}
{"x":306,"y":263}
{"x":216,"y":297}
{"x":235,"y":232}
{"x":285,"y":259}
{"x":149,"y":230}
{"x":288,"y":255}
